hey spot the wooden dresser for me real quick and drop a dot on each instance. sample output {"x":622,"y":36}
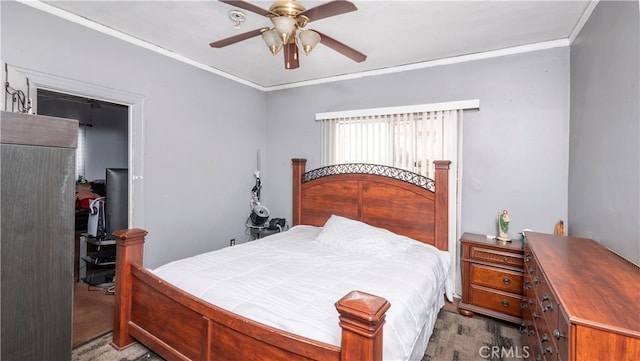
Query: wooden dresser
{"x":581,"y":301}
{"x":491,"y":277}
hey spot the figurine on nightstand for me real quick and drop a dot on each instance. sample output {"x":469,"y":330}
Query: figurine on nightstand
{"x":503,"y":226}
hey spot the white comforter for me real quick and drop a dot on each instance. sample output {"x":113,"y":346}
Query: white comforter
{"x":291,"y":281}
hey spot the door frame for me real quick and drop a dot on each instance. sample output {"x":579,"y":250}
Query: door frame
{"x":135,"y":104}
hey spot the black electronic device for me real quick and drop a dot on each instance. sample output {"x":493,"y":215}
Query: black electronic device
{"x":277,"y":223}
{"x":116,"y":199}
{"x":259,"y":215}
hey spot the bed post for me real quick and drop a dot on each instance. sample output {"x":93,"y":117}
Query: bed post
{"x":361,"y":318}
{"x":442,"y":204}
{"x":129,"y":250}
{"x":299,"y":165}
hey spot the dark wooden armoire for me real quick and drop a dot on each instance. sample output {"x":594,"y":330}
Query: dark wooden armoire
{"x":36,"y":236}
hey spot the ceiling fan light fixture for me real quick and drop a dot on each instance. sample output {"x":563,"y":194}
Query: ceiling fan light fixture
{"x":273,"y":41}
{"x":289,"y":31}
{"x":285,"y":26}
{"x":309,"y":40}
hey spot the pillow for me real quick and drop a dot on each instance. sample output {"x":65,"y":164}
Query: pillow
{"x":358,"y":237}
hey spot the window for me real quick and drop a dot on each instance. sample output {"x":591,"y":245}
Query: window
{"x":409,"y":137}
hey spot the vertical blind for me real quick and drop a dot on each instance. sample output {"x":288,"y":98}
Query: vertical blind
{"x":410,"y":138}
{"x":80,"y":151}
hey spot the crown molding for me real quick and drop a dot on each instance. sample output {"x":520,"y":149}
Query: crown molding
{"x":583,"y":20}
{"x":427,"y":64}
{"x":132,"y":40}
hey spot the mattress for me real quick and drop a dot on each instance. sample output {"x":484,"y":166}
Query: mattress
{"x":291,"y":281}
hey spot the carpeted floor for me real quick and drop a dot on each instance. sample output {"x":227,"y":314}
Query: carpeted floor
{"x":101,"y":350}
{"x":455,"y":338}
{"x":92,"y":313}
{"x":459,"y":338}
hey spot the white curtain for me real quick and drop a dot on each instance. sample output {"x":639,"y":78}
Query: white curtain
{"x":80,"y":152}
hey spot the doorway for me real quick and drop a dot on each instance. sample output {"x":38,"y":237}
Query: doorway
{"x":102,"y":144}
{"x":135,"y":104}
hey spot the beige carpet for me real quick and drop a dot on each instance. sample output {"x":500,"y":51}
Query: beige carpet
{"x":101,"y":350}
{"x":459,"y":338}
{"x":92,"y":313}
{"x":455,"y":338}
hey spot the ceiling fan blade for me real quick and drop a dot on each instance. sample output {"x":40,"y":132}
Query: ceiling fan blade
{"x":342,"y":48}
{"x":236,"y":38}
{"x":248,"y":6}
{"x":331,"y":8}
{"x":291,"y":60}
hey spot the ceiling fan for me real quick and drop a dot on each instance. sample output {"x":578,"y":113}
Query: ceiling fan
{"x":289,"y":20}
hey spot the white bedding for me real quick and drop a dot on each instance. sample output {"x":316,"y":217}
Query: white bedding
{"x":291,"y":281}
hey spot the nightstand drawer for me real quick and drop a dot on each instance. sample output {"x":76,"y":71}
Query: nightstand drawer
{"x":499,"y":301}
{"x":492,"y":277}
{"x":497,"y":257}
{"x":501,"y":279}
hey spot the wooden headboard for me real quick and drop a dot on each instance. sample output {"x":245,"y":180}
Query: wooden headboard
{"x":398,"y":200}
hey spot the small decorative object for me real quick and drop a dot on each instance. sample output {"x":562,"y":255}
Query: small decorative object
{"x":523,"y":237}
{"x":503,"y":226}
{"x":559,"y":229}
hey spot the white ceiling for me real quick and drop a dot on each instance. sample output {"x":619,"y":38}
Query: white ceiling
{"x":392,"y":34}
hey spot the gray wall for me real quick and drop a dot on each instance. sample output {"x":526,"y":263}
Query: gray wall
{"x":106,"y":142}
{"x":515,"y":148}
{"x":604,"y":161}
{"x":200,"y":137}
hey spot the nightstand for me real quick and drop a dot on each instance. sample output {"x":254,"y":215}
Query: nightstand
{"x":491,"y":277}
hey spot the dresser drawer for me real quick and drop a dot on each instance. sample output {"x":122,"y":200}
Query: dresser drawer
{"x":561,"y":335}
{"x":548,"y":305}
{"x":546,"y":341}
{"x":506,"y":258}
{"x":501,"y":279}
{"x":495,"y":300}
{"x":528,"y":295}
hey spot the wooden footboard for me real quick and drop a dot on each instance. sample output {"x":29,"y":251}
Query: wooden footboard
{"x":178,"y":326}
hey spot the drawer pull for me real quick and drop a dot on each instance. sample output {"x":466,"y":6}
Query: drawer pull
{"x":523,"y":328}
{"x":527,"y":258}
{"x":506,"y":280}
{"x":505,"y":303}
{"x":535,"y":316}
{"x":527,"y":285}
{"x":523,"y":304}
{"x":557,"y":334}
{"x":535,"y":280}
{"x":549,"y":306}
{"x":548,"y":350}
{"x":505,"y":259}
{"x":544,"y":339}
{"x":532,"y":270}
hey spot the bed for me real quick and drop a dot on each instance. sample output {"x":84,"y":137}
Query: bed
{"x":180,"y":323}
